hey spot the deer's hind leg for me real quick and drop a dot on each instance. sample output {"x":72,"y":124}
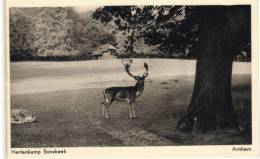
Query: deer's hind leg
{"x":104,"y":110}
{"x":108,"y":102}
{"x":106,"y":107}
{"x":105,"y":104}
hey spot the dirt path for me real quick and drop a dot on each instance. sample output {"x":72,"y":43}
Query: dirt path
{"x":133,"y":136}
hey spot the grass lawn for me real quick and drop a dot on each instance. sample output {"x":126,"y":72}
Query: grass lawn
{"x":71,"y":118}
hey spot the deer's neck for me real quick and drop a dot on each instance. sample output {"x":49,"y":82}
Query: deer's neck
{"x":139,"y":88}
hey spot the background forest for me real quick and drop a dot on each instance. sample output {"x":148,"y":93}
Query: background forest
{"x":63,"y":33}
{"x":52,"y":32}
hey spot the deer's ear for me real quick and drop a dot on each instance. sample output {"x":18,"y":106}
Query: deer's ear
{"x":136,"y":78}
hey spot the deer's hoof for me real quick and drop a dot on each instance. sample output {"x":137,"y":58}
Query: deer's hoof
{"x":133,"y":117}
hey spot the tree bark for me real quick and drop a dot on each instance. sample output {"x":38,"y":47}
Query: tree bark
{"x":211,"y":106}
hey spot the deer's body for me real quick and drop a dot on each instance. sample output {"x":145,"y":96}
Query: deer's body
{"x":125,"y":94}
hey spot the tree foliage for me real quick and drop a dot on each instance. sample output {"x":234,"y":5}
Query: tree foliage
{"x":53,"y":32}
{"x":148,"y":23}
{"x":173,"y":29}
{"x":20,"y":37}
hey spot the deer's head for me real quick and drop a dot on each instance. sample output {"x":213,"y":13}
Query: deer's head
{"x":139,"y":78}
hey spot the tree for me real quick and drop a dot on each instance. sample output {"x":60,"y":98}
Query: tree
{"x":41,"y":31}
{"x":221,"y":31}
{"x":214,"y":32}
{"x":58,"y":31}
{"x":20,"y":40}
{"x":53,"y":30}
{"x":138,"y":22}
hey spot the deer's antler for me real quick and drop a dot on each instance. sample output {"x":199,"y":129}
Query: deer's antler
{"x":127,"y":66}
{"x":146,"y":70}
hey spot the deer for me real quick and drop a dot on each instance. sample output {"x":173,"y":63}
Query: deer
{"x":125,"y":94}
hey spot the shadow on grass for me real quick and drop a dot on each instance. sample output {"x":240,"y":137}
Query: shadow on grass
{"x":164,"y":82}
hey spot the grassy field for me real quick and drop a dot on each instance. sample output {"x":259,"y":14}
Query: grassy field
{"x":73,"y":116}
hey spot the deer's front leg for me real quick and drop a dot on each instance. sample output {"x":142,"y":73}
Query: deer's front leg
{"x":133,"y":110}
{"x":130,"y":109}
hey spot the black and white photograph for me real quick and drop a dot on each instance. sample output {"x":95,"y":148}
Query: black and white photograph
{"x":130,"y":76}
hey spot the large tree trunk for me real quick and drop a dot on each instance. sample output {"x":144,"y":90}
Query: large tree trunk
{"x":211,"y":105}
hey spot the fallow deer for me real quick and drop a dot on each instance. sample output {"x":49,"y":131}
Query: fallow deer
{"x":125,"y":94}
